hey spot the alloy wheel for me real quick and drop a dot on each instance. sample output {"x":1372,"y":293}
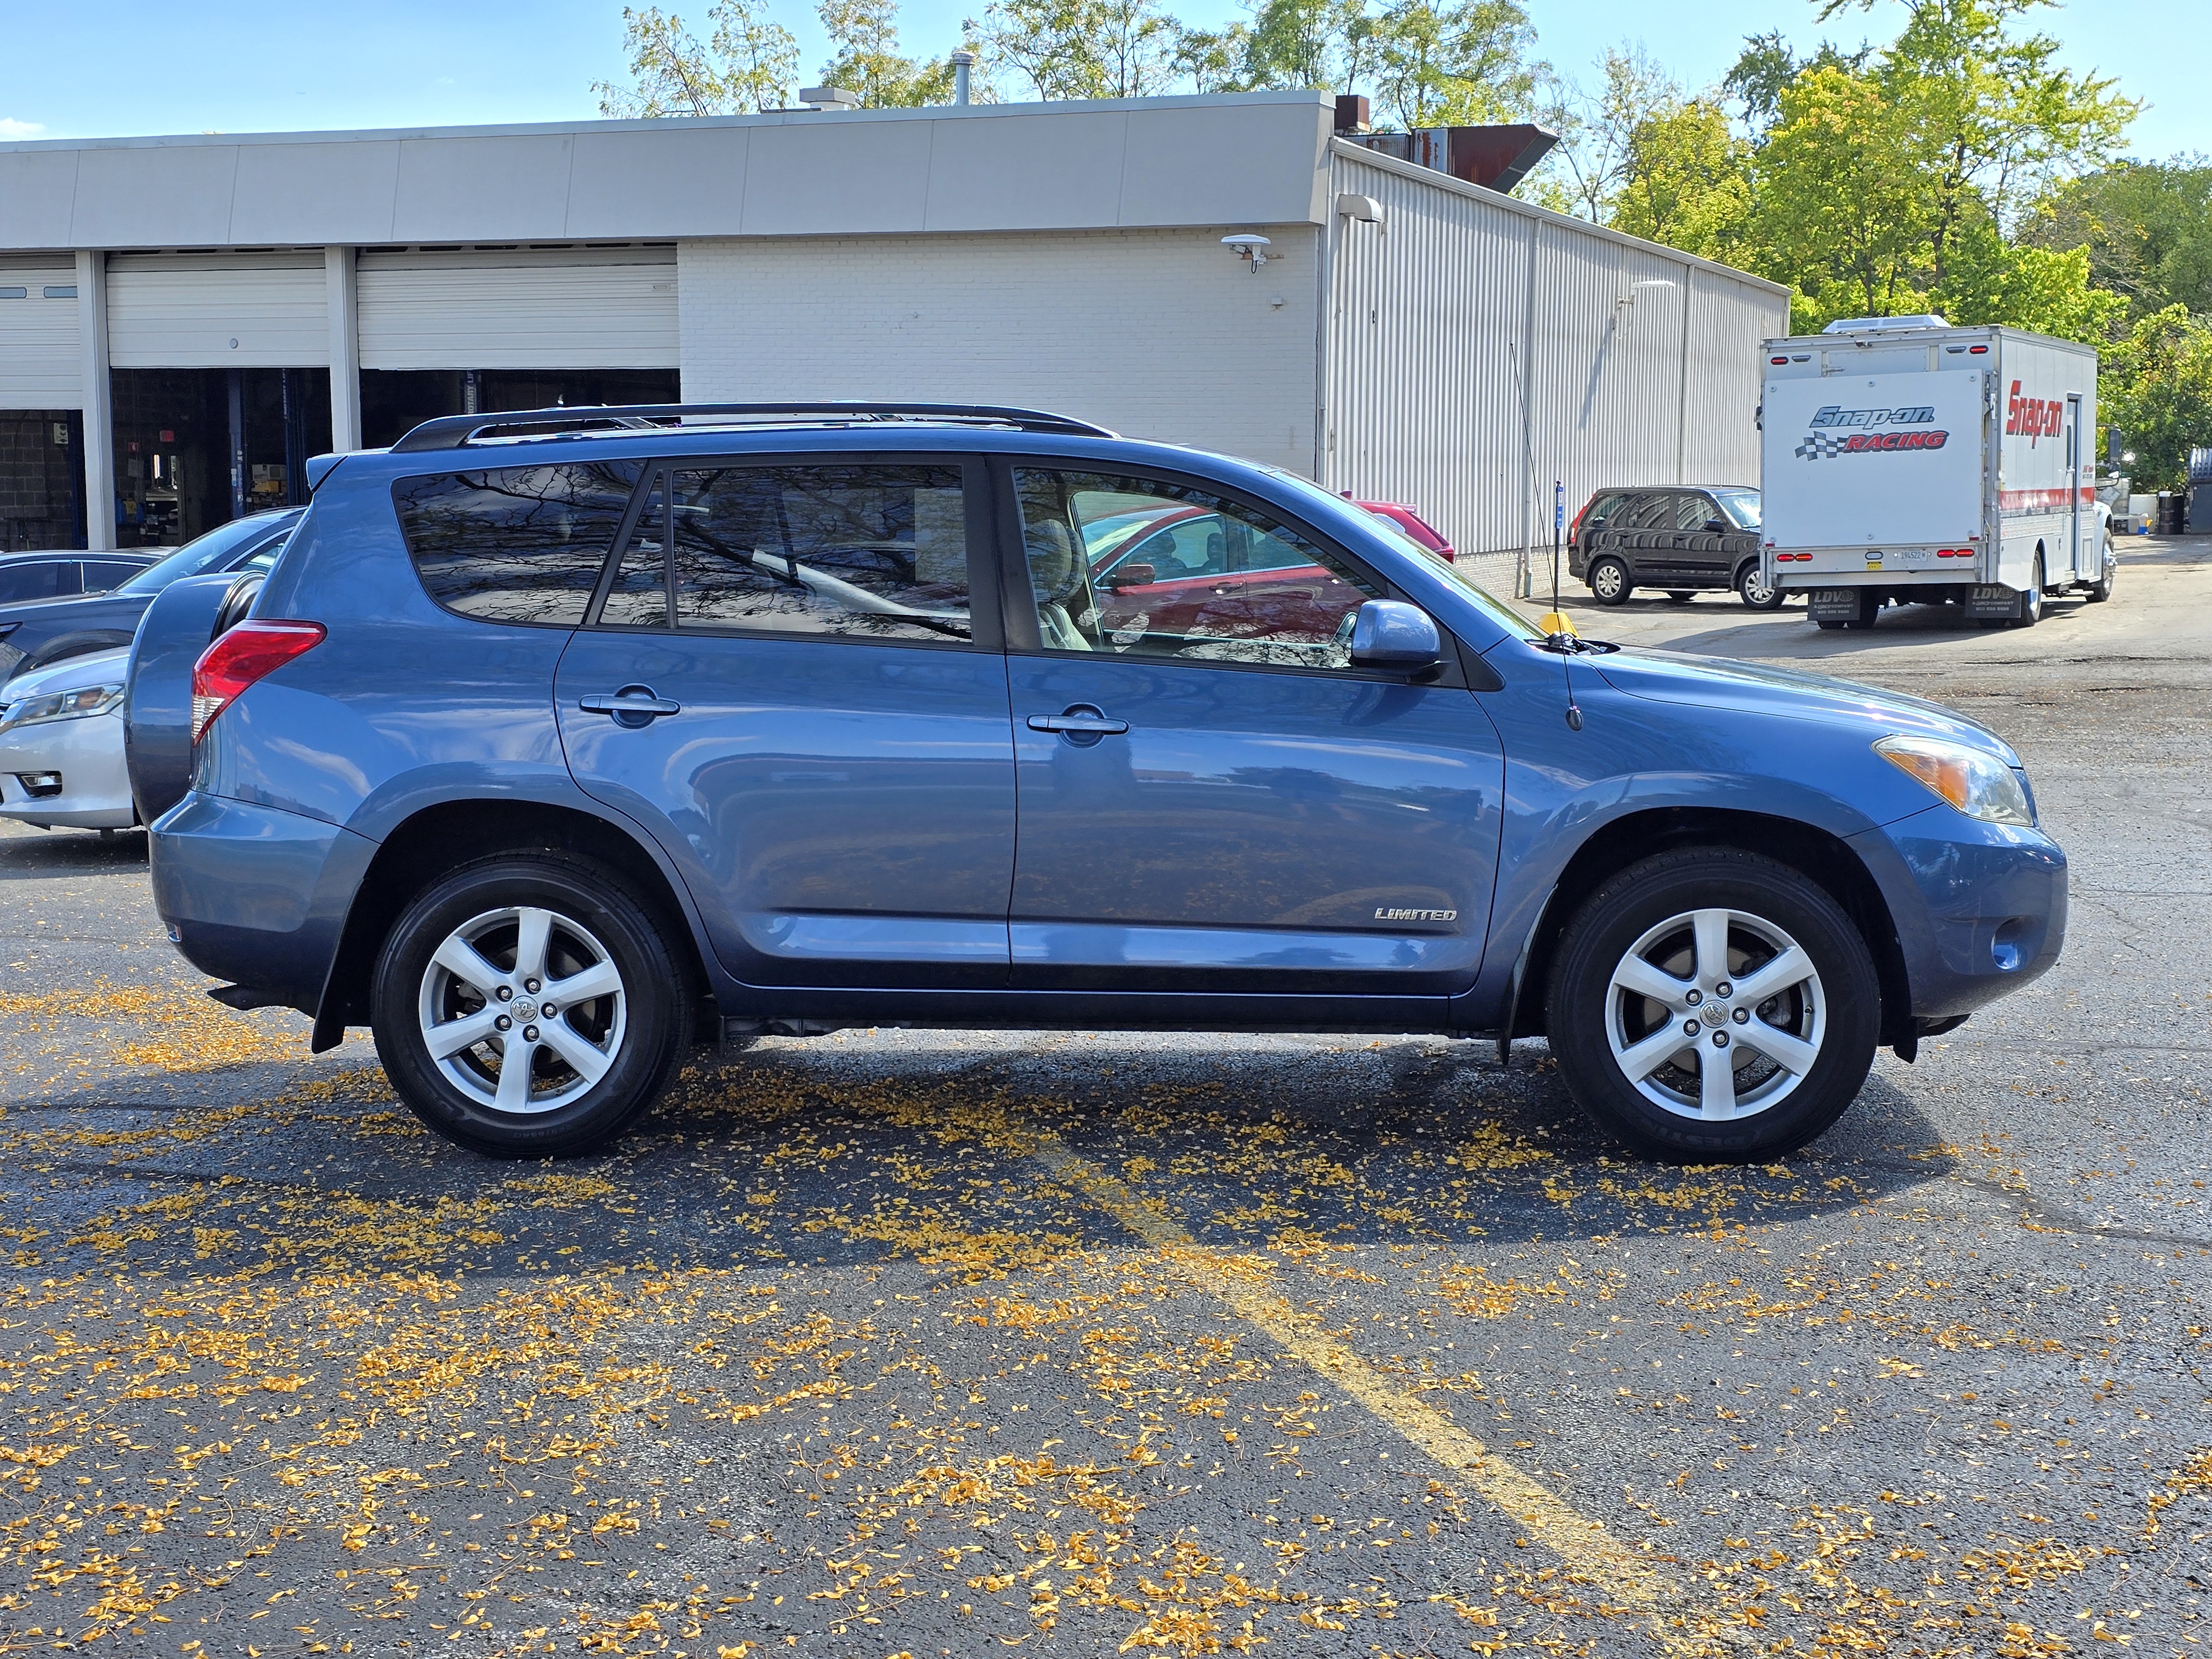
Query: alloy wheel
{"x":1715,"y":1014}
{"x":522,"y":1010}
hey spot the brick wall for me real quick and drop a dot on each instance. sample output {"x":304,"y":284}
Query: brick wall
{"x":1157,"y":334}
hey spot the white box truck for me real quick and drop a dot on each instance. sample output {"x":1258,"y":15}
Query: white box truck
{"x":1905,"y":460}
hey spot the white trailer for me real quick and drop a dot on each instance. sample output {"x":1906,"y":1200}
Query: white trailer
{"x":1905,"y":460}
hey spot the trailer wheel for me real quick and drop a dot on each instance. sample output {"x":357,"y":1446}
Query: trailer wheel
{"x":1869,"y":608}
{"x":1609,"y":582}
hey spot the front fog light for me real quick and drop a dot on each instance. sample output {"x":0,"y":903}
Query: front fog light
{"x":40,"y":785}
{"x":1979,"y":785}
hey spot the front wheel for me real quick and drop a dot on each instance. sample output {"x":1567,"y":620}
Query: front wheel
{"x":1609,"y":582}
{"x":1713,"y":1003}
{"x":1754,"y":590}
{"x":530,"y":1005}
{"x":2101,"y":589}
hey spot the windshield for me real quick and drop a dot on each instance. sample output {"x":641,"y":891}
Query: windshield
{"x":1492,"y":607}
{"x":1741,"y":505}
{"x":209,"y":552}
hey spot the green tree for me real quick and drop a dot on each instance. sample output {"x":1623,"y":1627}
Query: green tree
{"x":2147,"y":227}
{"x":1990,"y":280}
{"x":1596,"y":154}
{"x":2155,"y":385}
{"x":1086,"y":48}
{"x":866,"y":60}
{"x":747,"y":65}
{"x":1688,"y":182}
{"x":1452,"y":65}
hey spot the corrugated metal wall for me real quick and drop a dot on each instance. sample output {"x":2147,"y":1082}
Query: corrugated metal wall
{"x":1636,"y":364}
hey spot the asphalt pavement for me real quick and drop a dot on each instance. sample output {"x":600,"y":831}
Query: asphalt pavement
{"x":943,"y":1344}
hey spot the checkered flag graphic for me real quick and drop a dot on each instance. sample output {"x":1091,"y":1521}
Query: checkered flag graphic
{"x":1817,"y":444}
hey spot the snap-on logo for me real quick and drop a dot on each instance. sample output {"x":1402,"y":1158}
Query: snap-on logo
{"x":2032,"y":417}
{"x":1834,"y":415}
{"x":1388,"y":913}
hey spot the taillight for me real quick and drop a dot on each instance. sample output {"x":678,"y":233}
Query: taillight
{"x":245,"y":653}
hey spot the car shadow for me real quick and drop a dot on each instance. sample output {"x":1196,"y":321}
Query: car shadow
{"x":948,"y":1154}
{"x":25,"y":853}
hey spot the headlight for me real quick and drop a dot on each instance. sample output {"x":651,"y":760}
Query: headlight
{"x":1979,"y":785}
{"x":61,"y":706}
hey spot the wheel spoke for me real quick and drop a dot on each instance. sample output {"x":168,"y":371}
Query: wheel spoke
{"x":1716,"y":1082}
{"x":535,"y":927}
{"x":1712,"y":928}
{"x":574,"y":1046}
{"x":514,"y":1068}
{"x":1637,"y":975}
{"x":1791,"y":967}
{"x":1640,"y":1060}
{"x":596,"y":980}
{"x":451,"y":1036}
{"x":1793,"y":1054}
{"x":461,"y":959}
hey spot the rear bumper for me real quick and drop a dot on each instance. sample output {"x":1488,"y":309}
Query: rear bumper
{"x":1980,"y":908}
{"x":255,"y":894}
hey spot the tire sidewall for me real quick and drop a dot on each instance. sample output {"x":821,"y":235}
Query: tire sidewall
{"x":1619,"y":595}
{"x":1744,"y":589}
{"x":1648,"y":893}
{"x":656,"y":1001}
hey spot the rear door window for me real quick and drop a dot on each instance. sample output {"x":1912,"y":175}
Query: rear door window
{"x":515,"y":544}
{"x":859,"y":551}
{"x":27,"y":581}
{"x":1653,"y":511}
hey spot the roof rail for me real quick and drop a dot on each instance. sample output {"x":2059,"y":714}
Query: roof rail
{"x":459,"y":431}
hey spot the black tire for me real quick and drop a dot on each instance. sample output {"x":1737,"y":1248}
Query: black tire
{"x":1839,"y":1010}
{"x":1869,"y":608}
{"x":2030,"y":603}
{"x":1610,"y":582}
{"x":2101,"y":589}
{"x":1755,"y":595}
{"x":596,"y":916}
{"x":1831,"y":626}
{"x":1676,"y":598}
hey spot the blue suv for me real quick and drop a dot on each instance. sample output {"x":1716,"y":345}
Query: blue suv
{"x":556,"y":742}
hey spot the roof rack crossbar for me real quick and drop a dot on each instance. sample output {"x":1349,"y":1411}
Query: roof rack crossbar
{"x":459,"y":431}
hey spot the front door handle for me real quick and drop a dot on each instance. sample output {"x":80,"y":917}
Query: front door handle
{"x":632,"y":706}
{"x":1087,"y":721}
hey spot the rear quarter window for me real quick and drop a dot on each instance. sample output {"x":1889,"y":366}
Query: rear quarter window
{"x":515,"y":544}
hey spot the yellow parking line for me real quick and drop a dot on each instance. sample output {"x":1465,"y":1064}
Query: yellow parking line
{"x":1619,"y":1574}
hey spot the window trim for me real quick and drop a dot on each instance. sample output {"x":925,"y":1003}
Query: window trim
{"x":621,"y":538}
{"x":978,"y":510}
{"x":1019,"y":604}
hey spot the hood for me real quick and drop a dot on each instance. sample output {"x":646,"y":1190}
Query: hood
{"x":1786,"y":694}
{"x":72,"y":674}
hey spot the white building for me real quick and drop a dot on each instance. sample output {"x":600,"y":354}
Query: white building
{"x":220,"y":306}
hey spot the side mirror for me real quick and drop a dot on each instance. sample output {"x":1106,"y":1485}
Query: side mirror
{"x":1132,"y":575}
{"x":1715,"y":527}
{"x":1391,"y":633}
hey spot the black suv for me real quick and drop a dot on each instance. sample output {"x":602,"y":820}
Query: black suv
{"x":1683,"y":538}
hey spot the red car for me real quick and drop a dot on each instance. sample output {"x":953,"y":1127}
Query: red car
{"x":1176,"y":569}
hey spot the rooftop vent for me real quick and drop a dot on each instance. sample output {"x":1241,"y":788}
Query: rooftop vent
{"x":1498,"y":158}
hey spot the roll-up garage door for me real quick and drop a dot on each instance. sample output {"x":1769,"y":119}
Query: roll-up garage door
{"x":217,"y":310}
{"x":38,"y":336}
{"x":519,"y":308}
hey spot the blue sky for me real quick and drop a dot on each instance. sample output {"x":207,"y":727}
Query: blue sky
{"x":123,"y":67}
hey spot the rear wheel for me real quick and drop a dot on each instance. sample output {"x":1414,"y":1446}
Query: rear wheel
{"x":2030,"y":603}
{"x":1609,"y":582}
{"x":1869,"y":608}
{"x":1713,"y":1003}
{"x":530,"y":1006}
{"x":1754,"y":590}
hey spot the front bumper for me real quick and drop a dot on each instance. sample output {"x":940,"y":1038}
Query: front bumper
{"x":95,"y":792}
{"x":253,"y":894}
{"x":1980,"y":908}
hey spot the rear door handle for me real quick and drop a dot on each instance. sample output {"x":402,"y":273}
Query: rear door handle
{"x":632,"y":706}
